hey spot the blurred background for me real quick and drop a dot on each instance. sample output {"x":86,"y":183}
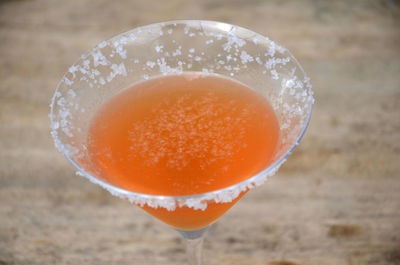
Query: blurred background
{"x":335,"y":201}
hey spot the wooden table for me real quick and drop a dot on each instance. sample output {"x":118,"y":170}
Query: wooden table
{"x":336,"y":200}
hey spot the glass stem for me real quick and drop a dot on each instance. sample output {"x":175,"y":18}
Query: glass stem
{"x":194,"y":245}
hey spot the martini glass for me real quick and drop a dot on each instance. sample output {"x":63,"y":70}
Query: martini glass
{"x":174,"y":48}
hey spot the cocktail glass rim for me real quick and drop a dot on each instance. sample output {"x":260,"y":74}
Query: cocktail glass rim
{"x":128,"y":193}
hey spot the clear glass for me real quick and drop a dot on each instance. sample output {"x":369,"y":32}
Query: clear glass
{"x":177,"y":47}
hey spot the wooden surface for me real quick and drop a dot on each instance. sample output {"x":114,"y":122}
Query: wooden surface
{"x":336,"y":201}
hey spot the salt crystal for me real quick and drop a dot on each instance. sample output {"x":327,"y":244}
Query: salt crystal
{"x":159,"y":48}
{"x":71,"y":93}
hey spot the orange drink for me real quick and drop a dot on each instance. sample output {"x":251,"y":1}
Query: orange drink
{"x":181,"y":135}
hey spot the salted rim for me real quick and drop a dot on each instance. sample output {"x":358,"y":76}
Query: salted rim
{"x":207,"y":195}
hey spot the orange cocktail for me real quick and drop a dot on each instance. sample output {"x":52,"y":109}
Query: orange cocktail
{"x":182,"y":135}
